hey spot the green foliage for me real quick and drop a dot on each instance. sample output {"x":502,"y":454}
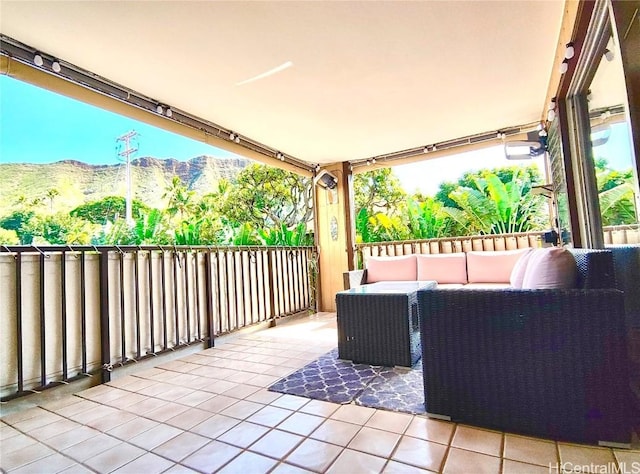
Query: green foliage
{"x":9,"y":237}
{"x":379,"y":227}
{"x":108,"y":209}
{"x":180,"y":200}
{"x":268,"y":197}
{"x":188,"y":233}
{"x":616,"y":195}
{"x":378,"y":191}
{"x":18,"y":221}
{"x":428,"y":219}
{"x":244,"y":234}
{"x":285,"y":237}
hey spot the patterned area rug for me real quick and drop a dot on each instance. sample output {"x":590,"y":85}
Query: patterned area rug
{"x":341,"y":381}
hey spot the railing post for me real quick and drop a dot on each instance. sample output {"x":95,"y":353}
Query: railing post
{"x":209,"y":296}
{"x":272,"y":289}
{"x":105,"y":340}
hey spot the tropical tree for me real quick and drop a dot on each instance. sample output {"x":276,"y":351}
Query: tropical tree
{"x":268,"y":197}
{"x":180,"y":200}
{"x":378,"y":191}
{"x":616,"y":194}
{"x":20,"y":222}
{"x":108,"y":209}
{"x":428,"y":219}
{"x":51,"y":195}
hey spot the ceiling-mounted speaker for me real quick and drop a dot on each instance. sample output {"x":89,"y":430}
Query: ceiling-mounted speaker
{"x":326,"y":180}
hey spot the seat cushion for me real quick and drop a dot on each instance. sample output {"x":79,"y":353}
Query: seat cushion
{"x":492,"y":267}
{"x":443,"y":268}
{"x":391,"y":268}
{"x":550,"y":268}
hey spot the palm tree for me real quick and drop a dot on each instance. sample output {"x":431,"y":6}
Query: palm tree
{"x":51,"y":194}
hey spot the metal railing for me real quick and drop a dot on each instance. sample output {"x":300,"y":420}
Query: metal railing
{"x":69,"y":312}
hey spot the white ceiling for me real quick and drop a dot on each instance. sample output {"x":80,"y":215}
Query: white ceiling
{"x":368,"y":77}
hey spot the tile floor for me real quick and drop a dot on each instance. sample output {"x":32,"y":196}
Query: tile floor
{"x":211,"y":412}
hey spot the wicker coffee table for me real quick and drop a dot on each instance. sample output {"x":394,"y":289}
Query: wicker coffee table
{"x":378,"y":323}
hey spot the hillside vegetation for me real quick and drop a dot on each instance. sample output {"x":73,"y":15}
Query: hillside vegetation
{"x":78,"y":183}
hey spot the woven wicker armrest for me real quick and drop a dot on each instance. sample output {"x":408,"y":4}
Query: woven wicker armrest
{"x":548,"y":363}
{"x":354,"y":278}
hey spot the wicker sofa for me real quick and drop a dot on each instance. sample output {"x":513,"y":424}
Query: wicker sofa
{"x":551,"y":363}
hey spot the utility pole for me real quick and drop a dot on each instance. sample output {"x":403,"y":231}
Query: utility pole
{"x":126,"y":153}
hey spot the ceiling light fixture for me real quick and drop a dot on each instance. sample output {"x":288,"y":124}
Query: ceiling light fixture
{"x":434,"y":148}
{"x":280,"y":156}
{"x":609,"y":55}
{"x":373,"y":161}
{"x":551,"y":115}
{"x":159,"y":109}
{"x":37,"y":60}
{"x":169,"y":112}
{"x":570,"y":51}
{"x":425,"y":150}
{"x":55,"y":66}
{"x":564,"y":66}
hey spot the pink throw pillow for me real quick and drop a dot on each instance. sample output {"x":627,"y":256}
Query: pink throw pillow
{"x":391,"y":269}
{"x":492,"y":267}
{"x":520,"y":268}
{"x":550,"y":268}
{"x":443,"y":268}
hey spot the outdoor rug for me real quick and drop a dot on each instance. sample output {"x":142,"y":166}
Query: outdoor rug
{"x":341,"y":381}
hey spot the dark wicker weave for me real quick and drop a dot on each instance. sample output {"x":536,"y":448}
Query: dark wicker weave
{"x":379,"y":328}
{"x":548,"y":363}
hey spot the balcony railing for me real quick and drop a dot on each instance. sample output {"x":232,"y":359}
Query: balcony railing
{"x":613,"y":235}
{"x":70,"y":312}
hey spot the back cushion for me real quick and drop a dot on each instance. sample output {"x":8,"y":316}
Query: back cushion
{"x":519,"y":269}
{"x":492,"y":267}
{"x":443,"y":268}
{"x":391,"y":268}
{"x":550,"y":268}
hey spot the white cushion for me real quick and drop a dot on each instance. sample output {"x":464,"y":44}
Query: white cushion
{"x":550,"y":268}
{"x":492,"y":267}
{"x":391,"y":268}
{"x":519,"y":269}
{"x":443,"y":268}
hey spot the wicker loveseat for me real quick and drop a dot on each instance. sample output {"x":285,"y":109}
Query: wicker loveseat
{"x":550,"y":363}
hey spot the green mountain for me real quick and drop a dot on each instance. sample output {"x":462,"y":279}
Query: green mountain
{"x":78,"y":183}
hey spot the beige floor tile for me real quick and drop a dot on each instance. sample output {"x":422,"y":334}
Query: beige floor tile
{"x":376,"y":442}
{"x":132,"y":428}
{"x":181,"y":446}
{"x":301,"y":423}
{"x":314,"y":455}
{"x":77,"y":469}
{"x":26,"y":455}
{"x":353,"y":414}
{"x":114,"y":458}
{"x":166,"y":412}
{"x":627,"y":457}
{"x":263,"y":396}
{"x":276,"y":444}
{"x":336,"y":432}
{"x":215,"y":426}
{"x":389,"y":421}
{"x":480,"y":441}
{"x":38,"y":422}
{"x":7,"y":432}
{"x":319,"y":408}
{"x":174,"y":394}
{"x":15,"y":443}
{"x":241,"y":391}
{"x":591,"y":457}
{"x":56,"y":405}
{"x":530,"y":450}
{"x":517,"y":467}
{"x":91,"y":447}
{"x":459,"y":461}
{"x":290,"y":402}
{"x":68,"y":439}
{"x":248,"y":462}
{"x":395,"y":467}
{"x":218,"y":403}
{"x":75,"y":409}
{"x":270,"y":416}
{"x":154,"y":437}
{"x":355,"y":461}
{"x":112,"y":419}
{"x":284,"y":468}
{"x":146,"y":405}
{"x":243,"y":434}
{"x":431,"y":430}
{"x":148,"y":463}
{"x":54,"y":463}
{"x":211,"y":457}
{"x":420,"y":453}
{"x":242,"y":409}
{"x":189,"y":418}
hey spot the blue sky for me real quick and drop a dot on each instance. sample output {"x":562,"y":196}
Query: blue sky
{"x":38,"y":126}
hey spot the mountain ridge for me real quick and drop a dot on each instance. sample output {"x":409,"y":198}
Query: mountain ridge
{"x":78,"y":182}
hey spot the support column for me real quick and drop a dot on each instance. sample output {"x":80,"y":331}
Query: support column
{"x":334,"y":228}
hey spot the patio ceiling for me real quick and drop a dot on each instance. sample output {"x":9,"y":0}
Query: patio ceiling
{"x":363,"y":78}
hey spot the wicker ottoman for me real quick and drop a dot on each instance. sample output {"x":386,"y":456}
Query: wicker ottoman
{"x":378,"y":323}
